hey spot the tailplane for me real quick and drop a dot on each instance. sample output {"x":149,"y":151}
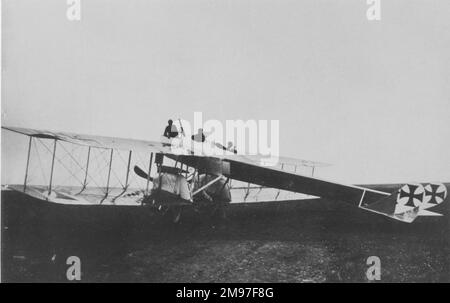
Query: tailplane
{"x":410,"y":201}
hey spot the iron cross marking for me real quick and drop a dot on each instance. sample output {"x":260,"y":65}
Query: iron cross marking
{"x":411,"y":195}
{"x":434,"y":194}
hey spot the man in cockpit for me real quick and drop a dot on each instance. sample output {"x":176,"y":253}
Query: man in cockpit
{"x":199,"y":136}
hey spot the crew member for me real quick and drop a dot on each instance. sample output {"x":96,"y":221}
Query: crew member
{"x":231,"y":148}
{"x":171,"y":130}
{"x":199,"y":136}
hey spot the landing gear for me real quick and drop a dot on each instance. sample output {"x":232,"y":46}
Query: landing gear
{"x":169,"y":213}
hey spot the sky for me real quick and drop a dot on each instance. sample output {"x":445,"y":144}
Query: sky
{"x":370,"y":97}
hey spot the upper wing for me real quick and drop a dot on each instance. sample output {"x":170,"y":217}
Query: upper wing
{"x":149,"y":146}
{"x":95,"y":141}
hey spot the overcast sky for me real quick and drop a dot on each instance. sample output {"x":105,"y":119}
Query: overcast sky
{"x":372,"y":98}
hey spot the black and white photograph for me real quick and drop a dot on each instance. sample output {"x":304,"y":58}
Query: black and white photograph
{"x":225,"y":142}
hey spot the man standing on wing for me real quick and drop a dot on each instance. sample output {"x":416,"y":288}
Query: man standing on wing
{"x":171,"y":130}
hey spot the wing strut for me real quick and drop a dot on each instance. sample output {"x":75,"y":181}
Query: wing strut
{"x":109,"y":176}
{"x":28,"y":163}
{"x":53,"y":166}
{"x":86,"y":174}
{"x":206,"y":185}
{"x":149,"y":171}
{"x":126,"y":179}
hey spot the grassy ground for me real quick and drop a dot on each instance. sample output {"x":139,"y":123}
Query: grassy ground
{"x":309,"y":241}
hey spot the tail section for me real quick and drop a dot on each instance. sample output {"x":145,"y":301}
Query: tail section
{"x":410,"y":201}
{"x":435,"y":194}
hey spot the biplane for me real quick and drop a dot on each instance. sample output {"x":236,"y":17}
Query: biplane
{"x":169,"y":175}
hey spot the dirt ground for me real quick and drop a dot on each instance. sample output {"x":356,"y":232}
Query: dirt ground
{"x":307,"y":241}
